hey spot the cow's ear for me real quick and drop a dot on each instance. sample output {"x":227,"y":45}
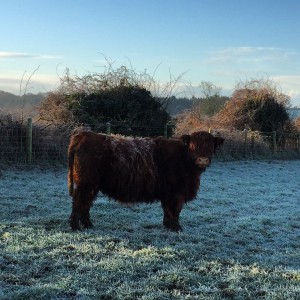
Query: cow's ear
{"x":218,"y":141}
{"x":186,"y":139}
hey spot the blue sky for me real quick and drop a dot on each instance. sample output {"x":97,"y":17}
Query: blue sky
{"x":222,"y":41}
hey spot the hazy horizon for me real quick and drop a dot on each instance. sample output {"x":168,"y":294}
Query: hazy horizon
{"x":223,"y":42}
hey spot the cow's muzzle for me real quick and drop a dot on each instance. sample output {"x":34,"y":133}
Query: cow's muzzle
{"x":202,"y":162}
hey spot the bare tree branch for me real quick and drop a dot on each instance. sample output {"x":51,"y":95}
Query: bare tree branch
{"x":22,"y":95}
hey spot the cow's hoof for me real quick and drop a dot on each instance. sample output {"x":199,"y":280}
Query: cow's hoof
{"x":74,"y":225}
{"x":75,"y":228}
{"x":173,"y":227}
{"x":87,"y":225}
{"x":177,"y":228}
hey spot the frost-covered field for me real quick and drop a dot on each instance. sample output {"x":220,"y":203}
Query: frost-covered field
{"x":240,"y":239}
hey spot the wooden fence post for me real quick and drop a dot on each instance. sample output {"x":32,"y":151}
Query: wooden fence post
{"x":298,"y":144}
{"x":245,"y":142}
{"x":166,"y":131}
{"x":108,"y":128}
{"x":274,"y":143}
{"x":29,"y":141}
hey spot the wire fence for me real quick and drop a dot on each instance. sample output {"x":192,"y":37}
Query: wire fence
{"x":32,"y":144}
{"x":259,"y":145}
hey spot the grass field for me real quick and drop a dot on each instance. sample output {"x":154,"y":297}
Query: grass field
{"x":240,"y":239}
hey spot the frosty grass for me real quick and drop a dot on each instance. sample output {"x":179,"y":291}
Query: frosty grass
{"x":240,"y":239}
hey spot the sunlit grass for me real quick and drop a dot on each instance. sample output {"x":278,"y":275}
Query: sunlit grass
{"x":240,"y":240}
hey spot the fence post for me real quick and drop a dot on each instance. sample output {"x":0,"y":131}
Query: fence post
{"x":108,"y":128}
{"x":166,"y":131}
{"x":274,"y":144}
{"x":298,"y":144}
{"x":29,"y":141}
{"x":245,"y":142}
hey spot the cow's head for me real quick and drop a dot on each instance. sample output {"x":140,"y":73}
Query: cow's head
{"x":201,"y":147}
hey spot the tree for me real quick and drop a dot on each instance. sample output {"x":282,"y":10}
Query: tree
{"x":211,"y":101}
{"x":256,"y":105}
{"x":130,"y":109}
{"x":211,"y":106}
{"x":209,"y":89}
{"x":110,"y":77}
{"x":54,"y":109}
{"x":265,"y":114}
{"x":297,"y":124}
{"x":266,"y":86}
{"x":115,"y":96}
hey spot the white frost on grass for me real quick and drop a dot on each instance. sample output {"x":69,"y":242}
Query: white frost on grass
{"x":251,"y":210}
{"x":240,"y":239}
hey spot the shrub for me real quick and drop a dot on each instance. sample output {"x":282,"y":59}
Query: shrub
{"x":254,"y":110}
{"x":120,"y":96}
{"x":297,"y":124}
{"x":132,"y":110}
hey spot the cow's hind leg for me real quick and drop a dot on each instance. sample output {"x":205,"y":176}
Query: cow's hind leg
{"x":82,"y":201}
{"x":74,"y":217}
{"x":85,"y":208}
{"x":172,"y":209}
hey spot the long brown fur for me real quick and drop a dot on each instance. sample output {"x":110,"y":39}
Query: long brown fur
{"x":132,"y":170}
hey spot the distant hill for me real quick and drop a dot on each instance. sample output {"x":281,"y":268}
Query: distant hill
{"x":179,"y":105}
{"x":294,"y":113}
{"x":10,"y":103}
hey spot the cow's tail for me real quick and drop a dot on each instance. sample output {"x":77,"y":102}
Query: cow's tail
{"x":71,"y":155}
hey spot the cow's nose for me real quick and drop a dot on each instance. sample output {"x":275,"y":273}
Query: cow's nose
{"x":202,"y":162}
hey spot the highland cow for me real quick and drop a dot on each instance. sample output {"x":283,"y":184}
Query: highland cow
{"x":132,"y":170}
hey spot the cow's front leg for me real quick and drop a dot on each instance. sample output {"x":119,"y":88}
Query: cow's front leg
{"x":172,"y":208}
{"x":85,"y":218}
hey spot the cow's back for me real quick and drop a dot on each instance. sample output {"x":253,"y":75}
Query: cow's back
{"x":132,"y":174}
{"x":122,"y":168}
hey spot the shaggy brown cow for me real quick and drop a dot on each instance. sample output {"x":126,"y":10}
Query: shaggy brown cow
{"x":133,"y":170}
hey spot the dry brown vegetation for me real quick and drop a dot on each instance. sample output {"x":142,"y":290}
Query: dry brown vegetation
{"x":297,"y":124}
{"x":189,"y":122}
{"x":256,"y":105}
{"x":53,"y":110}
{"x":251,"y":102}
{"x":248,"y":121}
{"x":255,"y":110}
